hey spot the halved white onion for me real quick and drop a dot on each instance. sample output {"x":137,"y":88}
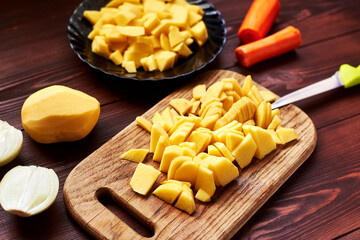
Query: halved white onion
{"x":11,"y":141}
{"x":28,"y":190}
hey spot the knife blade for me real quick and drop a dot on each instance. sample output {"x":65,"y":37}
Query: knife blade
{"x":347,"y":76}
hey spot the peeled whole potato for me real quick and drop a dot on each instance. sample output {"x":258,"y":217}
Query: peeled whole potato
{"x":59,"y":114}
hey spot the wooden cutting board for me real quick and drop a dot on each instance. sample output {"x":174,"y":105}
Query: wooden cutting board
{"x":104,"y":173}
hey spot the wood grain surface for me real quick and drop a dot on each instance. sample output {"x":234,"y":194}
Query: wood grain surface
{"x":105,"y":173}
{"x":321,"y":200}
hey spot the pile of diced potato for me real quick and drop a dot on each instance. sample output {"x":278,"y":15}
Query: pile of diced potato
{"x":151,"y":34}
{"x":202,"y":142}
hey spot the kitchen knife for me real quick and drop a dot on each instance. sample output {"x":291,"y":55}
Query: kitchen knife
{"x":347,"y":76}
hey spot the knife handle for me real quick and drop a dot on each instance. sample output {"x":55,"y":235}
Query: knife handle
{"x":349,"y":75}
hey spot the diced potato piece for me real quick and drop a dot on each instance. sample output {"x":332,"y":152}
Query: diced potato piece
{"x":149,"y":63}
{"x":116,"y":57}
{"x":129,"y":66}
{"x":168,"y":192}
{"x":157,"y":118}
{"x":224,"y":170}
{"x":154,"y":6}
{"x":95,"y":32}
{"x":183,"y":50}
{"x":268,"y":96}
{"x":205,"y":180}
{"x":92,"y":16}
{"x":193,"y":18}
{"x":175,"y":37}
{"x":224,"y":151}
{"x":187,"y":144}
{"x":233,"y":140}
{"x":209,"y":121}
{"x":145,"y":124}
{"x":183,"y":119}
{"x":181,"y":105}
{"x":201,"y":140}
{"x":249,"y":122}
{"x":135,"y":155}
{"x":165,"y":60}
{"x":263,"y":114}
{"x":166,"y":115}
{"x":181,"y":133}
{"x":199,"y":32}
{"x":186,"y":201}
{"x":175,"y":164}
{"x":122,"y":18}
{"x":156,"y":131}
{"x":144,"y":178}
{"x":276,"y":138}
{"x":195,"y":106}
{"x":245,"y":152}
{"x":179,"y":15}
{"x":170,"y":153}
{"x":248,"y":83}
{"x":276,"y":121}
{"x":187,"y":172}
{"x":163,"y":27}
{"x":286,"y":135}
{"x":164,"y":42}
{"x":214,"y":151}
{"x":151,"y":22}
{"x":100,"y":47}
{"x":133,"y":8}
{"x":131,"y":31}
{"x":264,"y":141}
{"x":199,"y":91}
{"x":160,"y":147}
{"x":203,"y":196}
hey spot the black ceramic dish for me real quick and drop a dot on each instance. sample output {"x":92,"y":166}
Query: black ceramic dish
{"x":78,"y":28}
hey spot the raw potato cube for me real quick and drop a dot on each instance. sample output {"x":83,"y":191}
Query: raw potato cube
{"x":187,"y":172}
{"x":205,"y":180}
{"x":100,"y":47}
{"x":170,"y":153}
{"x":145,"y":124}
{"x":264,"y":141}
{"x":181,"y":133}
{"x":245,"y":152}
{"x":175,"y":37}
{"x":135,"y":155}
{"x":116,"y":57}
{"x":203,"y":196}
{"x":200,"y":33}
{"x":286,"y":135}
{"x":186,"y":201}
{"x":214,"y":151}
{"x":268,"y":96}
{"x":129,"y":66}
{"x":160,"y":148}
{"x":175,"y":164}
{"x":201,"y":140}
{"x":165,"y":60}
{"x":144,"y":178}
{"x":156,"y":131}
{"x":92,"y":16}
{"x":181,"y":105}
{"x":224,"y":170}
{"x":168,"y":192}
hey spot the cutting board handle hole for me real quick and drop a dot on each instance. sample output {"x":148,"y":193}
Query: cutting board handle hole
{"x":107,"y":198}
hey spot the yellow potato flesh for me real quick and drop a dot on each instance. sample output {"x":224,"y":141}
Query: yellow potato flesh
{"x":143,"y":178}
{"x":172,"y":26}
{"x":59,"y":114}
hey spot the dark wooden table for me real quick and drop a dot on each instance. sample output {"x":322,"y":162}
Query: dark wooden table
{"x":320,"y":201}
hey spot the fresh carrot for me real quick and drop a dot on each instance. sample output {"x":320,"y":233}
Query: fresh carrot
{"x":274,"y":45}
{"x":258,"y":20}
